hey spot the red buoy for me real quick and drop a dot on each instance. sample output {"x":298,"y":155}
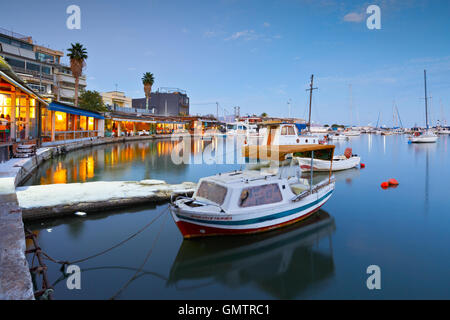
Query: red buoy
{"x":362,"y":165}
{"x":393,"y":182}
{"x":385,"y":185}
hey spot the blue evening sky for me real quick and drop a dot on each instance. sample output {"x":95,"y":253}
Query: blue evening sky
{"x":259,"y":54}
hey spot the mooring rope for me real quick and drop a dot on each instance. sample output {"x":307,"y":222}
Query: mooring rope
{"x":143,"y":273}
{"x":63,"y":263}
{"x":143,"y":263}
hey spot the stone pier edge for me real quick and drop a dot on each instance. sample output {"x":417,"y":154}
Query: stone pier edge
{"x":15,"y":278}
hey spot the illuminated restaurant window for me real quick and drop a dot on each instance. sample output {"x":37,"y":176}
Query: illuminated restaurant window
{"x":70,"y":122}
{"x":60,"y":121}
{"x":83,"y":125}
{"x":91,"y":123}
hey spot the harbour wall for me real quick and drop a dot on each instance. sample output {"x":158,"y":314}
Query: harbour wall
{"x":15,"y":278}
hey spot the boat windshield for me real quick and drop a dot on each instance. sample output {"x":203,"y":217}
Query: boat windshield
{"x":212,"y":192}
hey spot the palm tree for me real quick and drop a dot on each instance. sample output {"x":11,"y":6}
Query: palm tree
{"x":147,"y":80}
{"x":78,"y":55}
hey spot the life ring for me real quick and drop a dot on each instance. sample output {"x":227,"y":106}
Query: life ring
{"x":416,"y":134}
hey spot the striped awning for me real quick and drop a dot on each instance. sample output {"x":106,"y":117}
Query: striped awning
{"x":56,"y":106}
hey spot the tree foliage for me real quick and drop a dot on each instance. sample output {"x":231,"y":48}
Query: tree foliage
{"x":78,"y":55}
{"x":92,"y":100}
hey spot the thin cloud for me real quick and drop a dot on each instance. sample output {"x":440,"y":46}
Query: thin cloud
{"x":248,"y":35}
{"x":244,"y":35}
{"x":266,"y":24}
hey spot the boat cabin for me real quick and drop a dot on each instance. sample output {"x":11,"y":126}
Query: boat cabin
{"x":235,"y":191}
{"x":286,"y":134}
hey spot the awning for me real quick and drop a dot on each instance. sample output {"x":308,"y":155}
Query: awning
{"x":133,"y":120}
{"x":56,"y":106}
{"x":171,"y":122}
{"x":23,"y":88}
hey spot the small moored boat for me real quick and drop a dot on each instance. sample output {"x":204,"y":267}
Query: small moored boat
{"x":352,"y":133}
{"x":321,"y":162}
{"x":336,"y":136}
{"x":246,"y":202}
{"x":339,"y":163}
{"x":427,"y":136}
{"x":423,"y":137}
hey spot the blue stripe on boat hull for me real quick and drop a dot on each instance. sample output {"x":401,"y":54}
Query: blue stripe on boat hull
{"x":260,"y":219}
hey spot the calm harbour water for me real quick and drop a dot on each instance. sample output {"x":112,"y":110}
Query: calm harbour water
{"x":404,"y":230}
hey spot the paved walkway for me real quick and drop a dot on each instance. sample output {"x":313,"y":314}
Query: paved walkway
{"x":15,"y":278}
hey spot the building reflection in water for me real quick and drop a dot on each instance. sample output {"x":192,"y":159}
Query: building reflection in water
{"x":282,"y":263}
{"x":115,"y":159}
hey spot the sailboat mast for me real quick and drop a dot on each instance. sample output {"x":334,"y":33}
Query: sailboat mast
{"x":378,"y":121}
{"x":398,"y":115}
{"x":351,"y":106}
{"x":310,"y":100}
{"x":426,"y":97}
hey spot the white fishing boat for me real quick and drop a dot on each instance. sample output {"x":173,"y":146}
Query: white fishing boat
{"x":289,"y":134}
{"x":352,"y":133}
{"x":322,"y":163}
{"x":426,"y":136}
{"x":443,"y":131}
{"x":339,"y":163}
{"x":336,"y":136}
{"x":286,"y":134}
{"x":246,"y":202}
{"x":423,"y":137}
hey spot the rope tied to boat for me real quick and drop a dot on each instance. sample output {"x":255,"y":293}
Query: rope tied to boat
{"x":143,"y":263}
{"x":66,"y":262}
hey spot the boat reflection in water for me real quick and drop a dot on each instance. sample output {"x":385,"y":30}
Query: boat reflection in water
{"x":346,"y":176}
{"x":283,"y":263}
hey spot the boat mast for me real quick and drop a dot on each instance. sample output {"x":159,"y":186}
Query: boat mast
{"x":426,"y":97}
{"x":398,"y":115}
{"x":310,"y":100}
{"x":378,"y":121}
{"x":351,"y":106}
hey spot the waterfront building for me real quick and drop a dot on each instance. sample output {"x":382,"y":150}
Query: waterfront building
{"x":20,"y":109}
{"x":165,"y":102}
{"x":39,"y":121}
{"x":63,"y":123}
{"x":40,"y":67}
{"x":116,"y":100}
{"x":129,"y":122}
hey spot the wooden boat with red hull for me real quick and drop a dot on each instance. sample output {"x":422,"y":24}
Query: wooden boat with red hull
{"x":251,"y":201}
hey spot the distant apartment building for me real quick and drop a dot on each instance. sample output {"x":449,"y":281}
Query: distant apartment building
{"x":40,"y":67}
{"x":116,"y":100}
{"x":165,"y":102}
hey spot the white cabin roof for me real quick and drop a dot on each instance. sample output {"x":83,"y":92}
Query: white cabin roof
{"x":238,"y":176}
